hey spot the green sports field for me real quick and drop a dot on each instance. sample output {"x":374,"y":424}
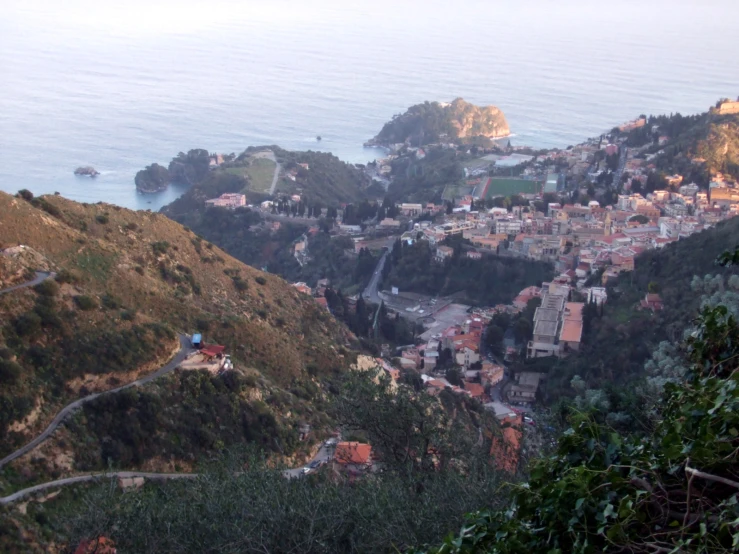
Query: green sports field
{"x":501,"y":186}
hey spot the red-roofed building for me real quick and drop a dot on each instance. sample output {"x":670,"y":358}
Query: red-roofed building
{"x":212,"y":350}
{"x":353,"y":456}
{"x":475,"y":390}
{"x":651,"y":302}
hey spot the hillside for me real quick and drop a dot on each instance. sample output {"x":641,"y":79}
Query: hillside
{"x":432,"y":122}
{"x":126,"y":283}
{"x":696,"y":146}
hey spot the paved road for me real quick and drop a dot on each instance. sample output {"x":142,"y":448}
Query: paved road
{"x":40,"y":276}
{"x":325,"y":453}
{"x":370,"y":293}
{"x":271,"y":155}
{"x":69,"y":408}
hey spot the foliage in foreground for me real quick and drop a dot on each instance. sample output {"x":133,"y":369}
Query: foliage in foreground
{"x":674,"y":491}
{"x":435,"y":467}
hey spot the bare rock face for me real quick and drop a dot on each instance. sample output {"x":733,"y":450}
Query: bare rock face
{"x":458,"y":121}
{"x":87,"y":171}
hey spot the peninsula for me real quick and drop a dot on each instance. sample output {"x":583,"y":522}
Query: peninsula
{"x":456,"y":122}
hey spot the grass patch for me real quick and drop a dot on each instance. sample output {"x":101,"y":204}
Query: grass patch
{"x":509,"y":186}
{"x":259,"y":172}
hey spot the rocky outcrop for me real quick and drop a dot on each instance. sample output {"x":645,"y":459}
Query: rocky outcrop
{"x":154,"y":178}
{"x":458,"y":121}
{"x":86,"y":171}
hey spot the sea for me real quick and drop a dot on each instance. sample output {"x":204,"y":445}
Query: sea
{"x":119,"y":85}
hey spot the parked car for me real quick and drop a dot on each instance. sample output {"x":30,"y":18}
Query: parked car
{"x":331,"y":442}
{"x":305,"y":470}
{"x":527,"y":419}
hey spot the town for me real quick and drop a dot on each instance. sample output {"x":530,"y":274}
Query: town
{"x":589,"y":210}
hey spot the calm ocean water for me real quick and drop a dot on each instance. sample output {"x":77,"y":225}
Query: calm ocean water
{"x":119,"y":85}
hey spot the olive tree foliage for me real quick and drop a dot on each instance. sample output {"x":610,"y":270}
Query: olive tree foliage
{"x":412,"y":432}
{"x":675,"y":489}
{"x":435,"y":466}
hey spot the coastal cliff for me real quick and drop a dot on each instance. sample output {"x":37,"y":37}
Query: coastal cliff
{"x":430,"y":122}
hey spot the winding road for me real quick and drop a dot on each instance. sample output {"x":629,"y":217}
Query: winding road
{"x":40,"y":276}
{"x":324,"y":454}
{"x":69,"y":408}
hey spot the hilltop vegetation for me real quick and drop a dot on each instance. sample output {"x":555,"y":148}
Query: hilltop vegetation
{"x":432,"y":122}
{"x":126,"y":283}
{"x":697,"y":146}
{"x":327,"y":181}
{"x":486,"y":282}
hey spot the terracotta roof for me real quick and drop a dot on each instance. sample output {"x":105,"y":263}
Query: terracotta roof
{"x":475,"y":390}
{"x":571,"y":331}
{"x":352,"y":453}
{"x":212,"y":349}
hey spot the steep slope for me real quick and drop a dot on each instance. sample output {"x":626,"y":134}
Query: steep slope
{"x":126,"y":283}
{"x":430,"y":122}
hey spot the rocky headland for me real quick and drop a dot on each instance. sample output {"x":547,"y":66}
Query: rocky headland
{"x":456,"y":122}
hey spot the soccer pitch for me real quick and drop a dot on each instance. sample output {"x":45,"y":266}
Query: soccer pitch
{"x":508,"y":186}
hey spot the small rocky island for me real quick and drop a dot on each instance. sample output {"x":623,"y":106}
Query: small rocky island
{"x":457,"y":122}
{"x":87,"y":171}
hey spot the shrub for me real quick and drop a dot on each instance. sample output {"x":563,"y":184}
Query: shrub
{"x":138,"y":269}
{"x":111,"y":302}
{"x":27,"y":324}
{"x":131,"y":226}
{"x":10,"y":372}
{"x":128,"y":315}
{"x":85,"y":303}
{"x":66,"y":276}
{"x":240,"y":284}
{"x":25,"y":194}
{"x":202,"y":325}
{"x":47,"y":288}
{"x":102,"y":219}
{"x":160,"y":247}
{"x":261,"y":280}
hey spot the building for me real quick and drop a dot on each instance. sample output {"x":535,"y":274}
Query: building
{"x":443,"y":253}
{"x":524,"y":390}
{"x":228,"y":200}
{"x":652,"y":302}
{"x":302,"y":287}
{"x":355,"y":457}
{"x":557,"y":324}
{"x":727,"y":108}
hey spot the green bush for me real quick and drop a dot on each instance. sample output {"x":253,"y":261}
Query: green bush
{"x":66,"y":276}
{"x":160,"y":247}
{"x":27,"y":324}
{"x":47,"y":288}
{"x":85,"y":302}
{"x":261,"y":280}
{"x":111,"y":302}
{"x":10,"y":372}
{"x":102,"y":219}
{"x":131,"y":226}
{"x":128,"y":315}
{"x":25,"y":194}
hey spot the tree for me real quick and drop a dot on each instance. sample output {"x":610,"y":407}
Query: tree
{"x":494,"y":339}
